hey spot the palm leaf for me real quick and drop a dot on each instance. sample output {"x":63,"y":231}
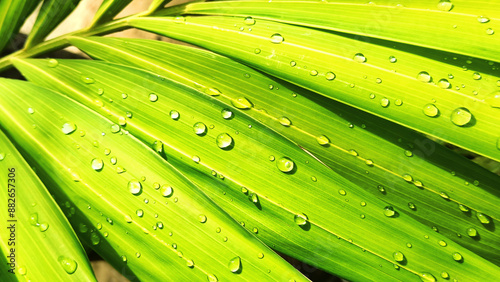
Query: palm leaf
{"x":314,"y":196}
{"x":12,"y":15}
{"x":121,"y":195}
{"x":108,"y":10}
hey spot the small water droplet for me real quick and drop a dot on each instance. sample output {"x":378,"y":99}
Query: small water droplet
{"x":398,"y":102}
{"x":285,"y":121}
{"x":483,"y":19}
{"x":342,"y":192}
{"x":68,"y":128}
{"x":313,"y":73}
{"x":44,"y":226}
{"x":457,"y":256}
{"x":398,"y":256}
{"x":135,"y":187}
{"x":97,"y":164}
{"x":407,"y":178}
{"x":212,"y":278}
{"x":443,"y":83}
{"x":254,"y":198}
{"x":412,"y":206}
{"x":463,"y":208}
{"x":257,"y":51}
{"x":445,"y":5}
{"x":52,"y":63}
{"x":277,"y":38}
{"x":476,"y":76}
{"x":271,"y":158}
{"x":393,"y":59}
{"x":249,"y":21}
{"x":293,"y":64}
{"x":224,"y":140}
{"x":260,"y":255}
{"x":323,"y":140}
{"x":384,"y":102}
{"x":445,"y":275}
{"x":461,"y":116}
{"x":493,"y":100}
{"x":430,"y":110}
{"x":139,"y":212}
{"x":442,"y":243}
{"x":353,"y":152}
{"x":359,"y":58}
{"x":69,"y":265}
{"x":115,"y":128}
{"x":285,"y":164}
{"x":490,"y":31}
{"x":153,"y":97}
{"x":424,"y":76}
{"x":378,"y":80}
{"x":241,"y":103}
{"x":472,"y":232}
{"x":202,"y":218}
{"x":226,"y":113}
{"x":300,"y":219}
{"x":409,"y":245}
{"x":196,"y":159}
{"x":389,"y":211}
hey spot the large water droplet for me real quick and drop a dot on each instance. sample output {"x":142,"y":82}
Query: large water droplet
{"x":277,"y":38}
{"x":234,"y":264}
{"x":115,"y":128}
{"x":493,"y":100}
{"x":389,"y":211}
{"x":424,"y":77}
{"x":200,"y":128}
{"x":153,"y":97}
{"x":285,"y":164}
{"x":323,"y":140}
{"x":484,"y":219}
{"x":427,"y":277}
{"x":44,"y":226}
{"x":135,"y":187}
{"x":330,"y":75}
{"x":430,"y":110}
{"x":69,"y":265}
{"x":52,"y":63}
{"x":97,"y":164}
{"x":444,"y":83}
{"x":445,"y":5}
{"x":285,"y":121}
{"x":174,"y":115}
{"x":359,"y":58}
{"x":398,"y":256}
{"x":224,"y":140}
{"x":242,"y":103}
{"x":254,"y":198}
{"x":457,"y":256}
{"x":249,"y":21}
{"x":68,"y":128}
{"x":300,"y":219}
{"x":461,"y":116}
{"x":202,"y":218}
{"x":166,"y":191}
{"x":384,"y":102}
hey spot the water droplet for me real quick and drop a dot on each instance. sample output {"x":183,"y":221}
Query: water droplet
{"x":135,"y":187}
{"x":384,"y":102}
{"x":323,"y":140}
{"x":94,"y":238}
{"x":427,"y":277}
{"x":443,"y":83}
{"x":33,"y":220}
{"x":463,"y":208}
{"x":444,"y":195}
{"x":241,"y":103}
{"x":224,"y":140}
{"x":196,"y":159}
{"x":483,"y":19}
{"x":212,"y":91}
{"x":472,"y":232}
{"x":398,"y":102}
{"x":445,"y":275}
{"x":424,"y":76}
{"x":407,"y":178}
{"x":212,"y":278}
{"x":218,"y":230}
{"x":202,"y":218}
{"x":369,"y":162}
{"x":409,"y":245}
{"x":389,"y":211}
{"x":300,"y":219}
{"x":430,"y":110}
{"x":476,"y":76}
{"x":330,"y":75}
{"x":293,"y":63}
{"x":461,"y":116}
{"x":254,"y":198}
{"x":255,"y":230}
{"x":68,"y":128}
{"x":115,"y":128}
{"x":359,"y":58}
{"x":313,"y":73}
{"x":398,"y":256}
{"x":69,"y":265}
{"x":378,"y":80}
{"x":271,"y":158}
{"x":153,"y":97}
{"x":113,"y":160}
{"x":87,"y":80}
{"x":285,"y":164}
{"x":226,"y":113}
{"x":445,"y":5}
{"x":457,"y":257}
{"x":249,"y":21}
{"x":260,"y":255}
{"x":484,"y":219}
{"x":412,"y":206}
{"x":342,"y":192}
{"x":442,"y":243}
{"x":490,"y":31}
{"x":200,"y":128}
{"x":493,"y":100}
{"x":393,"y":59}
{"x":277,"y":38}
{"x":97,"y":164}
{"x":353,"y":152}
{"x":285,"y":121}
{"x":257,"y":51}
{"x":166,"y":191}
{"x":52,"y":63}
{"x":44,"y":226}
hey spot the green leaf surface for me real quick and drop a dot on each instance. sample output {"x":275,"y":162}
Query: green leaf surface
{"x":51,"y":14}
{"x":422,"y":99}
{"x":462,"y":27}
{"x":273,"y":169}
{"x":405,"y":152}
{"x":37,"y":238}
{"x":12,"y":16}
{"x":108,"y":10}
{"x":133,"y":208}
